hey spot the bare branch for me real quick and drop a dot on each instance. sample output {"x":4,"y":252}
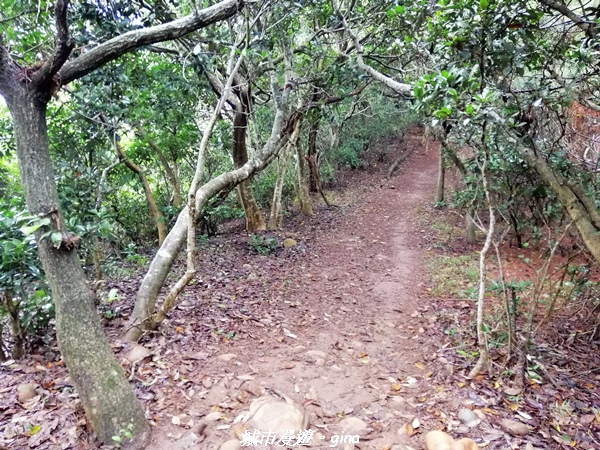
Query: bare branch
{"x":578,"y":20}
{"x":400,"y":88}
{"x":63,"y":45}
{"x":131,"y":40}
{"x":337,"y":98}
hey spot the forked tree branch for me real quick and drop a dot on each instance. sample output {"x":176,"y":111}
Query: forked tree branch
{"x":63,"y":44}
{"x":579,"y":21}
{"x":118,"y":46}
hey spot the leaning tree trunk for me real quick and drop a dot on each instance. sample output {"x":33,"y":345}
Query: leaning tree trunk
{"x":99,"y":379}
{"x":254,"y":217}
{"x":155,"y":212}
{"x":580,"y":207}
{"x":147,"y":295}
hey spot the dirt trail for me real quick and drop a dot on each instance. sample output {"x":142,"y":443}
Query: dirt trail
{"x":346,"y":340}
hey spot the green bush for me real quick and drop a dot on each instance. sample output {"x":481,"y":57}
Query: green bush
{"x":25,"y":304}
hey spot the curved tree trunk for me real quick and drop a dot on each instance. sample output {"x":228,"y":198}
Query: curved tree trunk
{"x":145,"y":302}
{"x":155,"y":213}
{"x":580,"y":207}
{"x":105,"y":393}
{"x":254,"y":217}
{"x":170,"y":171}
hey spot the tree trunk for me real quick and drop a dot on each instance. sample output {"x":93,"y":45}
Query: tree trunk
{"x":439,"y":193}
{"x":470,"y":228}
{"x":155,"y":212}
{"x":145,"y":302}
{"x":306,"y":204}
{"x":313,"y":132}
{"x":335,"y":138}
{"x":483,"y":361}
{"x":170,"y":171}
{"x":254,"y":217}
{"x":276,"y":216}
{"x":99,"y":379}
{"x":580,"y":207}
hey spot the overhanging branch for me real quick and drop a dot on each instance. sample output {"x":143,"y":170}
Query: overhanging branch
{"x":578,"y":20}
{"x":131,"y":40}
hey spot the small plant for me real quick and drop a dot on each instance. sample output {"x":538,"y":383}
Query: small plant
{"x":263,"y":245}
{"x":133,"y":257}
{"x":126,"y":433}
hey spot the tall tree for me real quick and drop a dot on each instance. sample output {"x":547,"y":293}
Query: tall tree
{"x":108,"y":400}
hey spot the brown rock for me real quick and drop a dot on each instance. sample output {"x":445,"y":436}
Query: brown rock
{"x":271,"y":414}
{"x":513,"y":427}
{"x":227,"y":357}
{"x":137,"y":353}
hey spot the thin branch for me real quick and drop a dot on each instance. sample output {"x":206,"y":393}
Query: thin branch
{"x":400,"y":88}
{"x":578,"y":20}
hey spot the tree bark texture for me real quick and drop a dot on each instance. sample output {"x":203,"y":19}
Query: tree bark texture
{"x":105,"y":393}
{"x":579,"y":206}
{"x":276,"y":216}
{"x":254,"y":217}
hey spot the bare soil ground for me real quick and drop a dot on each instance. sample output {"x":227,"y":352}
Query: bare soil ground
{"x":342,"y":323}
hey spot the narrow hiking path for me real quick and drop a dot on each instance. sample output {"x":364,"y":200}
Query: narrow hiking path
{"x":347,"y":338}
{"x":341,"y":323}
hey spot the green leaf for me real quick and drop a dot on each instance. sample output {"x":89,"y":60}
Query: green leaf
{"x":56,"y":238}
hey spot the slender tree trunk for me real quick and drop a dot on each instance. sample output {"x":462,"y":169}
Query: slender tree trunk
{"x":335,"y":138}
{"x":170,"y":171}
{"x":306,"y":204}
{"x":439,"y":193}
{"x":254,"y":217}
{"x":155,"y":212}
{"x":470,"y":228}
{"x":276,"y":216}
{"x":313,"y":132}
{"x":483,"y":361}
{"x":13,"y":311}
{"x":105,"y":393}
